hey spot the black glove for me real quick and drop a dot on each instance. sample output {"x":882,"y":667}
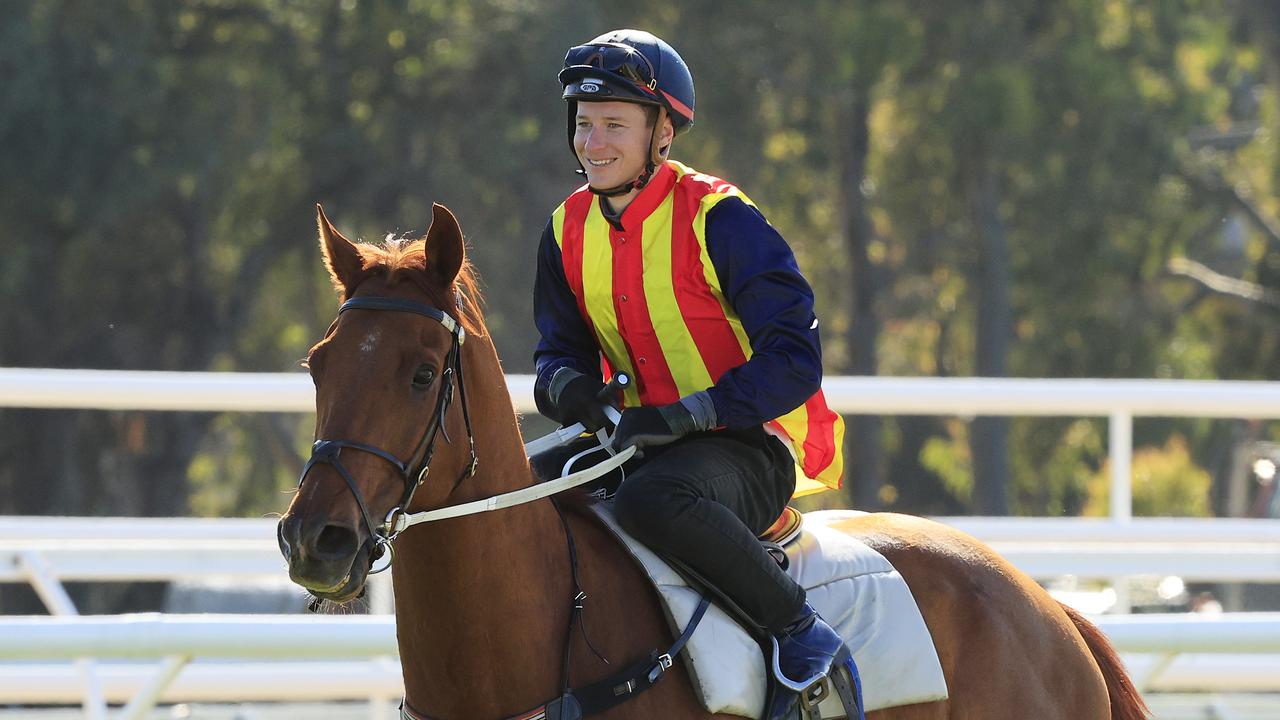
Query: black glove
{"x":578,"y":398}
{"x":650,"y":426}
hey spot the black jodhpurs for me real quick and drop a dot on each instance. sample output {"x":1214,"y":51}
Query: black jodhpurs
{"x":703,"y":500}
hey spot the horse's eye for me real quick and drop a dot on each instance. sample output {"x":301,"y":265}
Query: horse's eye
{"x":423,"y":376}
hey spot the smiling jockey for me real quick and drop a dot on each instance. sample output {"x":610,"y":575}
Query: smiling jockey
{"x":675,"y":278}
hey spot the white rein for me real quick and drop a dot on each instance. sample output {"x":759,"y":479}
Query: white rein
{"x":398,"y":522}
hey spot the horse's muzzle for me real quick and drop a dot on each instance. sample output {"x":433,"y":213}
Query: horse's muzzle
{"x":326,"y":559}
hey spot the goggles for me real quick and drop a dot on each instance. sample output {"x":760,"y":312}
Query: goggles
{"x":616,"y":58}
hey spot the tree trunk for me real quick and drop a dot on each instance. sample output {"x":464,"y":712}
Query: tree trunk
{"x":864,"y":455}
{"x":989,"y":440}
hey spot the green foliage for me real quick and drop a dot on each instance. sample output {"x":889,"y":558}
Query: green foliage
{"x":949,"y":458}
{"x":162,"y":161}
{"x":1165,"y":482}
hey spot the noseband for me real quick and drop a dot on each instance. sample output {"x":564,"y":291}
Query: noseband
{"x":329,"y":452}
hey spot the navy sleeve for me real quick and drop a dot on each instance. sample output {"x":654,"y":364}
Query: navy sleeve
{"x":566,"y":341}
{"x":760,"y":279}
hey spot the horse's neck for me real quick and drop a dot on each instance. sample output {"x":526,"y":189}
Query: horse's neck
{"x":483,"y":602}
{"x":494,"y":586}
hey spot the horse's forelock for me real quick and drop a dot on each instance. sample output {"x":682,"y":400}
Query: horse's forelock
{"x":402,"y":259}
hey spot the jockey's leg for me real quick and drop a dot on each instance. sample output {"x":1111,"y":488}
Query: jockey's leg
{"x":703,"y":500}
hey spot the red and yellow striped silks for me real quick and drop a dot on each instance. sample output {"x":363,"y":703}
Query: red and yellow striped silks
{"x":653,"y":300}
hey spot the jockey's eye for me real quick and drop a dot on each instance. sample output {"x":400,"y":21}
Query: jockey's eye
{"x":423,"y":377}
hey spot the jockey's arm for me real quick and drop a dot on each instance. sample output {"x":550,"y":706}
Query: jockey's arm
{"x":762,"y":282}
{"x":566,"y":341}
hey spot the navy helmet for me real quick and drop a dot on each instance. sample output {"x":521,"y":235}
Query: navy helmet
{"x":631,"y":66}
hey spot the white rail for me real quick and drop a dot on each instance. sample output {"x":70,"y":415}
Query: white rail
{"x":337,"y":652}
{"x":293,"y":392}
{"x":1118,"y":400}
{"x":218,"y":681}
{"x":48,"y":683}
{"x":151,"y":635}
{"x":159,"y":549}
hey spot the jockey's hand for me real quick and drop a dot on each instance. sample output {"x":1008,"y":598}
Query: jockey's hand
{"x":650,"y":426}
{"x":579,"y":398}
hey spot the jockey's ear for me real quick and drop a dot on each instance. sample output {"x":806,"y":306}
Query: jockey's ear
{"x":664,"y":134}
{"x":341,"y":257}
{"x":444,"y":247}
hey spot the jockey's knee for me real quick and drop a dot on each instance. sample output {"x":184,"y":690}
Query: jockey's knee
{"x":651,"y":511}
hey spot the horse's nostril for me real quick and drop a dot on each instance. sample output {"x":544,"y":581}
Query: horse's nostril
{"x":336,"y":541}
{"x":286,"y":535}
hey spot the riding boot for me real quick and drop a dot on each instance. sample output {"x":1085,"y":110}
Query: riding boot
{"x":802,"y":656}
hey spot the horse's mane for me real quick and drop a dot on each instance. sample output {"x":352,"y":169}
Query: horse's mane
{"x":405,"y":260}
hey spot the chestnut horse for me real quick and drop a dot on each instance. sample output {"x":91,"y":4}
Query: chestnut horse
{"x":406,"y":377}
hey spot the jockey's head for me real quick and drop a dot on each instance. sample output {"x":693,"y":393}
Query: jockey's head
{"x":623,"y":84}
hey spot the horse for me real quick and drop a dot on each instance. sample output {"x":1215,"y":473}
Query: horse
{"x":413,"y":413}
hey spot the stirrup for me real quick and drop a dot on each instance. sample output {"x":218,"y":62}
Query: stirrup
{"x":844,"y":681}
{"x":804,"y":684}
{"x":804,"y":705}
{"x":812,"y":697}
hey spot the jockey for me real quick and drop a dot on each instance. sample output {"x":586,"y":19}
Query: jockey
{"x":675,"y":278}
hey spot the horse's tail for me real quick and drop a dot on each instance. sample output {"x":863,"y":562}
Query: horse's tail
{"x":1126,"y":703}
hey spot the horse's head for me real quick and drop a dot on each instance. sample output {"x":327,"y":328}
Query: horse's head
{"x":385,"y":374}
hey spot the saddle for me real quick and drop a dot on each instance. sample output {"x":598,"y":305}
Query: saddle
{"x":852,"y":586}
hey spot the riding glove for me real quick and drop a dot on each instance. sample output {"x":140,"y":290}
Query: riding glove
{"x":649,"y":426}
{"x":578,"y":398}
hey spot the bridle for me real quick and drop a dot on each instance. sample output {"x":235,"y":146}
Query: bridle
{"x":329,"y":452}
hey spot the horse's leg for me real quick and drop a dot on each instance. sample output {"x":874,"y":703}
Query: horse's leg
{"x":1007,"y":649}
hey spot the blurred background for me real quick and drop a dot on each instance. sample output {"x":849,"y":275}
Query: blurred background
{"x":1082,"y":189}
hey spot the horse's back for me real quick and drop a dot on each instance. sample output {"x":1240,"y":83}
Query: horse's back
{"x":1008,"y":650}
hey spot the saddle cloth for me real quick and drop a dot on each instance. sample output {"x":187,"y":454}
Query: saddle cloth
{"x":852,"y":586}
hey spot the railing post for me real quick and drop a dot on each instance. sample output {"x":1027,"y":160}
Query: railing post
{"x":47,"y":585}
{"x":141,"y":704}
{"x":382,"y":601}
{"x":1121,"y":451}
{"x":1120,"y":448}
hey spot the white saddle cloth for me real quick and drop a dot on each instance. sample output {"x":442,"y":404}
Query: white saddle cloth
{"x":853,"y":587}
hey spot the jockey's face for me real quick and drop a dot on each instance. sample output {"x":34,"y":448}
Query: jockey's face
{"x":612,"y":142}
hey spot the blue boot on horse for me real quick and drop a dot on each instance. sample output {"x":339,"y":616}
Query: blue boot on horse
{"x":805,"y":655}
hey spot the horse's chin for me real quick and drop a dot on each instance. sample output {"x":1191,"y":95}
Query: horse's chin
{"x":349,"y":587}
{"x":345,"y":594}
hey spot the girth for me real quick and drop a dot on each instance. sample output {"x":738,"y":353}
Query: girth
{"x":600,"y":696}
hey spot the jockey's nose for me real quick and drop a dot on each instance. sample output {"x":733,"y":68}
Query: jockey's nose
{"x":594,"y":140}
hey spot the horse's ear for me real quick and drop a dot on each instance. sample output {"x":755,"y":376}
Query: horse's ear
{"x":445,"y":252}
{"x":341,"y":257}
